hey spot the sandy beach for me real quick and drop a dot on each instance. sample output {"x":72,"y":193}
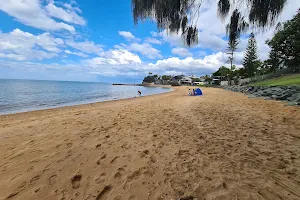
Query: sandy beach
{"x":222,"y":145}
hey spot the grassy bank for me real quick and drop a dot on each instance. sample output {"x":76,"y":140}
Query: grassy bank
{"x":286,"y":80}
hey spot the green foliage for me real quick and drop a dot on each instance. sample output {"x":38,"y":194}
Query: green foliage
{"x":250,"y":62}
{"x":150,"y":79}
{"x":182,"y":15}
{"x":234,"y":29}
{"x":166,"y":78}
{"x":285,"y":46}
{"x":222,"y":71}
{"x":232,"y":47}
{"x":273,"y":62}
{"x":178,"y":77}
{"x":208,"y":79}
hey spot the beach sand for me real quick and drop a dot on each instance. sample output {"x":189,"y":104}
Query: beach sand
{"x":222,"y":145}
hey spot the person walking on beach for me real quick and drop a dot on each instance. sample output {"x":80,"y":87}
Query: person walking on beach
{"x":140,"y":93}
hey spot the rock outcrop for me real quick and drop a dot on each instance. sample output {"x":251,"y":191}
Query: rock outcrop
{"x":280,"y":93}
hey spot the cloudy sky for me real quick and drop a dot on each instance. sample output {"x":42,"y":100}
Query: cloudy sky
{"x":87,"y":40}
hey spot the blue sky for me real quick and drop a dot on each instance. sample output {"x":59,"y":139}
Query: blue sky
{"x":87,"y":40}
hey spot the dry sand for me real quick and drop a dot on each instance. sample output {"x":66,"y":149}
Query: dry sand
{"x":169,"y":146}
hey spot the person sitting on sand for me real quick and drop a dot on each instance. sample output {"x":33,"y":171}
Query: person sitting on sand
{"x":193,"y":92}
{"x":140,"y":93}
{"x":190,"y":94}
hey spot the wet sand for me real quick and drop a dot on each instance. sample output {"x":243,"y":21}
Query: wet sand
{"x":169,"y":146}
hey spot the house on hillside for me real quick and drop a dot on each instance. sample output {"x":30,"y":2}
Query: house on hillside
{"x":186,"y":81}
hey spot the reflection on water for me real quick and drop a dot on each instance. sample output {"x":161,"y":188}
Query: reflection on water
{"x":27,"y":95}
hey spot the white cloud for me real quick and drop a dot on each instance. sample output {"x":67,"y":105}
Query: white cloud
{"x":118,"y":62}
{"x":69,"y":15}
{"x":145,"y":49}
{"x":172,"y":38}
{"x":31,"y":13}
{"x":127,"y":35}
{"x":114,"y":57}
{"x":181,"y":52}
{"x":209,"y":21}
{"x":21,"y":45}
{"x":152,"y":40}
{"x":28,"y":55}
{"x":12,"y":56}
{"x":211,"y":41}
{"x":87,"y":47}
{"x":191,"y":65}
{"x":154,"y":34}
{"x":80,"y":54}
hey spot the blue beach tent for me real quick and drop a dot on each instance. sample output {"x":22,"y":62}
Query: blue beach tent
{"x":198,"y":92}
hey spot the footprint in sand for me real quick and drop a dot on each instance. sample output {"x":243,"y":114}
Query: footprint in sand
{"x":34,"y":180}
{"x":100,"y":160}
{"x":119,"y":176}
{"x":144,"y":153}
{"x":47,"y":168}
{"x":52,"y":179}
{"x":132,"y":197}
{"x":134,"y":176}
{"x":104,"y":193}
{"x":76,"y":181}
{"x":69,"y":145}
{"x":152,"y":160}
{"x":101,"y":178}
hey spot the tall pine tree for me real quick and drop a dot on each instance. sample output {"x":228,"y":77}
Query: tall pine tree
{"x":250,"y":57}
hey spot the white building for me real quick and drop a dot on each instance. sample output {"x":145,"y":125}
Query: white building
{"x":186,"y":81}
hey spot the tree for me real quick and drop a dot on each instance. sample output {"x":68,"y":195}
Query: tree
{"x":232,"y":47}
{"x":234,"y":28}
{"x":150,"y":79}
{"x":222,"y":71}
{"x":250,"y":61}
{"x":260,"y":67}
{"x":239,"y":73}
{"x":208,"y":79}
{"x":285,"y":45}
{"x":182,"y":15}
{"x":166,"y":78}
{"x":273,"y":62}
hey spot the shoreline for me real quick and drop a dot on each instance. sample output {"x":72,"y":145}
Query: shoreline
{"x":221,"y":145}
{"x":86,"y":103}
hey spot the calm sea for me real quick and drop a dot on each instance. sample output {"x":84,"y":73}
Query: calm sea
{"x":27,"y":95}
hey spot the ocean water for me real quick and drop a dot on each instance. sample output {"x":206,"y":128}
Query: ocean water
{"x":27,"y":95}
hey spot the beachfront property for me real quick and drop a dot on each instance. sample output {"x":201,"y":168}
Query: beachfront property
{"x":173,"y":80}
{"x":186,"y":80}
